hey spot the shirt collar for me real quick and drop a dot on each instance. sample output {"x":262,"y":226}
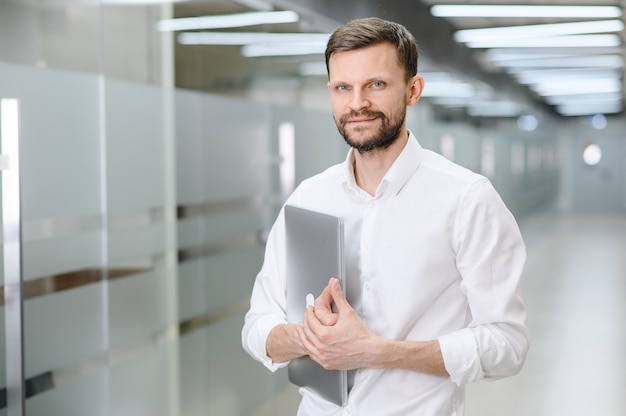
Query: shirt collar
{"x":398,"y":174}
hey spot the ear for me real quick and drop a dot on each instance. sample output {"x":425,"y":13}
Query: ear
{"x":416,"y":86}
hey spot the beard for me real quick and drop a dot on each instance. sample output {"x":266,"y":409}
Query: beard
{"x":386,"y":135}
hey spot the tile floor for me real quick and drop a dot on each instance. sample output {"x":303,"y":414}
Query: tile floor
{"x":574,"y":286}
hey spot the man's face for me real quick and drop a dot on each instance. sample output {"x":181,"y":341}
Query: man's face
{"x":369,"y":95}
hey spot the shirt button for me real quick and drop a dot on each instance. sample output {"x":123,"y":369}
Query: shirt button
{"x":367,"y":286}
{"x":347,"y":410}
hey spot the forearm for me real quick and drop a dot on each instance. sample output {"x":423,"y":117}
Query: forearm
{"x":283,"y":343}
{"x":422,"y":356}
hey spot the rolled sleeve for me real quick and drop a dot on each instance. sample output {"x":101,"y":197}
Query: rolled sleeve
{"x":461,"y":356}
{"x":254,"y":339}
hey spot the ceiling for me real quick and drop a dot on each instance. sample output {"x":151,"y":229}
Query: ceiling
{"x":477,"y":82}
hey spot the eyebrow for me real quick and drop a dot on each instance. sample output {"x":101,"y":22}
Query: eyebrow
{"x":368,"y":81}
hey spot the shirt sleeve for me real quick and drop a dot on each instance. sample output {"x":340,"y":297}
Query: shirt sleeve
{"x":490,"y":256}
{"x":268,"y":301}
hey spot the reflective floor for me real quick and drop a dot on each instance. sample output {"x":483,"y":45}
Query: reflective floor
{"x":575,"y":291}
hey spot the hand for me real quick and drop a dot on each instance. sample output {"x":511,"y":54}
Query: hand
{"x":323,"y":305}
{"x":337,"y":340}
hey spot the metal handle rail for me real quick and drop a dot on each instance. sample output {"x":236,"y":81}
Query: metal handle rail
{"x":12,"y":245}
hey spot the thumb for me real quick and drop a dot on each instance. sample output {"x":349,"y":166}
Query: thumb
{"x":339,"y":298}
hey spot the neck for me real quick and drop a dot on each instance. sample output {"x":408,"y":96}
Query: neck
{"x":370,"y":167}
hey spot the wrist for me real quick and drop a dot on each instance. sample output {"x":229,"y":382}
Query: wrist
{"x":283,"y":343}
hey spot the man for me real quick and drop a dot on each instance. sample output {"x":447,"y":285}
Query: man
{"x":433,"y":257}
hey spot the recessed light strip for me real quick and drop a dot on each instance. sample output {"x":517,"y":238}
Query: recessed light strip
{"x":227,"y":21}
{"x":573,"y":41}
{"x":247,"y":38}
{"x":283,"y":49}
{"x":479,"y":10}
{"x":606,"y":98}
{"x":579,"y":110}
{"x":536,"y":31}
{"x":600,"y":61}
{"x":510,"y":54}
{"x":593,"y":86}
{"x":534,"y":77}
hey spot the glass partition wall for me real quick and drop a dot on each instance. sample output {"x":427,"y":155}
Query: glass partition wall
{"x":143,"y":210}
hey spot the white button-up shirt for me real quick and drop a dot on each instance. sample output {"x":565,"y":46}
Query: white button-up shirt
{"x":434,"y":254}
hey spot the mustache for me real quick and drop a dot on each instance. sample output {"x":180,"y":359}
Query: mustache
{"x":360,"y":114}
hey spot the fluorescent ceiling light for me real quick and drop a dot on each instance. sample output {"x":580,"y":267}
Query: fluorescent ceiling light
{"x":612,"y":98}
{"x":574,"y":41}
{"x":536,"y":77}
{"x":503,"y":55}
{"x":283,"y":49}
{"x":593,"y":86}
{"x":536,"y":31}
{"x":227,"y":21}
{"x":582,"y":110}
{"x":601,"y":61}
{"x":510,"y":54}
{"x":600,"y":98}
{"x":478,"y":10}
{"x":246,"y":38}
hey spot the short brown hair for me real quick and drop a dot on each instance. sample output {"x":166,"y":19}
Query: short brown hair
{"x":361,"y":33}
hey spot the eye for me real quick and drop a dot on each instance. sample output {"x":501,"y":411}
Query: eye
{"x":378,"y":84}
{"x":341,"y":87}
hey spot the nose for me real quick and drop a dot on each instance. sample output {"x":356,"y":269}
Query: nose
{"x":358,"y":100}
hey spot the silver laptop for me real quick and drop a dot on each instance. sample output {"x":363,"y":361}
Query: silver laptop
{"x":314,"y":255}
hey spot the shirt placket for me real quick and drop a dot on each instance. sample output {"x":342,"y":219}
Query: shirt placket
{"x":368,"y":257}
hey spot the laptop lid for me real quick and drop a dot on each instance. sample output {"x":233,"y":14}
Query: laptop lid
{"x":314,"y":255}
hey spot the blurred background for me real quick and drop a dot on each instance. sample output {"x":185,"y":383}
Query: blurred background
{"x":157,"y":141}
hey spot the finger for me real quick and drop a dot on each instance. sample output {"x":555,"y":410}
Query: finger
{"x":306,"y":342}
{"x":338,"y":296}
{"x":326,"y":318}
{"x":311,"y":320}
{"x":309,"y":347}
{"x":311,"y":327}
{"x":324,"y":300}
{"x":323,"y":308}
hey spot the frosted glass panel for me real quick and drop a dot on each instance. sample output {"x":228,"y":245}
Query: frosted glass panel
{"x":318,"y":145}
{"x":144,"y":385}
{"x":222,"y":147}
{"x":57,"y":255}
{"x":86,"y":396}
{"x":63,"y":329}
{"x":135,"y":146}
{"x":138,"y":307}
{"x":217,"y":281}
{"x":60,"y":140}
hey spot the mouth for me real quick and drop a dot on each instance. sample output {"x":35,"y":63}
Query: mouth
{"x":360,"y":120}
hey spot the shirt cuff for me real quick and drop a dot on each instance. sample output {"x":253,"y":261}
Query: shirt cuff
{"x":461,"y":357}
{"x":257,"y":341}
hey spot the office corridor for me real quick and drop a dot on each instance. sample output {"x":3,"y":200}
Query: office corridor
{"x":574,"y":287}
